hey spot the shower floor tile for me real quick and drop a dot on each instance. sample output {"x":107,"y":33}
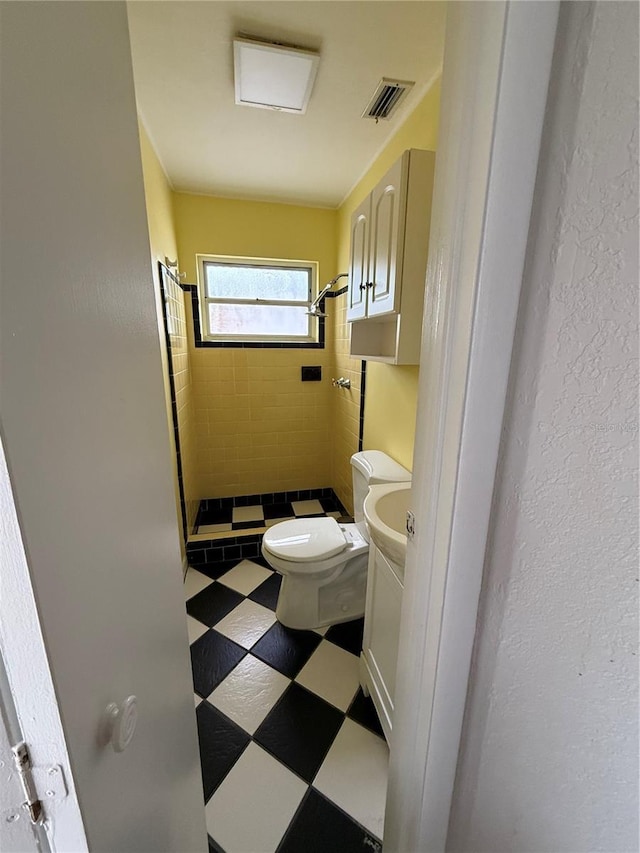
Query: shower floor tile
{"x":221,"y":515}
{"x":303,"y":508}
{"x":292,"y":752}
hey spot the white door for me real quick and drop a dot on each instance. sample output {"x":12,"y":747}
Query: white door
{"x":83,"y":420}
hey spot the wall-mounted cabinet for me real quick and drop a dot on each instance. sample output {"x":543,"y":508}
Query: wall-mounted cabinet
{"x":389,"y":249}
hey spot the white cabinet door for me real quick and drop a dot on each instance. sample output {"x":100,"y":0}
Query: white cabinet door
{"x":386,"y":242}
{"x":381,"y":633}
{"x":84,"y":421}
{"x":359,"y":262}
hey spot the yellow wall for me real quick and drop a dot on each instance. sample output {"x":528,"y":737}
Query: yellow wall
{"x":258,"y":427}
{"x":253,"y":426}
{"x":158,"y":195}
{"x":391,"y":392}
{"x":162,"y":237}
{"x":345,"y":403}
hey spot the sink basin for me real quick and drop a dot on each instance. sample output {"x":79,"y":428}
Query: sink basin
{"x":385,"y":511}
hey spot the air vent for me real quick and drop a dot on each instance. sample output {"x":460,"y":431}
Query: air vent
{"x":386,"y":98}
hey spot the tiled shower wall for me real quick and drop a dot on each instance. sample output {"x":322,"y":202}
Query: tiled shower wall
{"x":176,"y":310}
{"x":258,"y":427}
{"x":345,"y":403}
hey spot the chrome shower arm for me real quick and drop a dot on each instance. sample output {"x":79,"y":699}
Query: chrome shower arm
{"x":313,"y":308}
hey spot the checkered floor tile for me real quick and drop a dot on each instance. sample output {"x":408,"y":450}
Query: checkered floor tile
{"x":259,"y":513}
{"x":292,"y":753}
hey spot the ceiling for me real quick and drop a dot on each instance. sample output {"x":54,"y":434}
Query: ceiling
{"x":183,"y":71}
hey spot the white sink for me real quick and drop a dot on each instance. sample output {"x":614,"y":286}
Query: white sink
{"x":385,"y":511}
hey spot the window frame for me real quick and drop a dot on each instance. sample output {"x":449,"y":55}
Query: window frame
{"x":312,"y":338}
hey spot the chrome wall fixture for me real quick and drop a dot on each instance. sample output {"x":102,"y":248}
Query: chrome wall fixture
{"x":314,"y":308}
{"x":173,"y":267}
{"x":341,"y":383}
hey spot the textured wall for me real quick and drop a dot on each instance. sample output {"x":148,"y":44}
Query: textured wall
{"x":549,"y":754}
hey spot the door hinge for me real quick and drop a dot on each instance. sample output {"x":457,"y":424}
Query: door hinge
{"x":22,"y":760}
{"x":49,"y":780}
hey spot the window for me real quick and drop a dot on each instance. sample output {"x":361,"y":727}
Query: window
{"x":257,"y":299}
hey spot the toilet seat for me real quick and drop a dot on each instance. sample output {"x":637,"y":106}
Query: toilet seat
{"x":305,"y":540}
{"x":353,"y":545}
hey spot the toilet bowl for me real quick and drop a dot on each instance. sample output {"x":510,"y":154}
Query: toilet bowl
{"x":324,"y":563}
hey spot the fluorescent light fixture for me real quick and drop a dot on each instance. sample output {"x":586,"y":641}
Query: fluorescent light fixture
{"x":273,"y":77}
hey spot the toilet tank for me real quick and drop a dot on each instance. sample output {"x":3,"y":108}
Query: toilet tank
{"x":369,"y":468}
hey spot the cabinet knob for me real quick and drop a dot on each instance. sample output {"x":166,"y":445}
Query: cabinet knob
{"x":370,"y":284}
{"x":362,"y":286}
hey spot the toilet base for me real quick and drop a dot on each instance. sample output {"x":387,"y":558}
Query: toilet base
{"x":305,"y":603}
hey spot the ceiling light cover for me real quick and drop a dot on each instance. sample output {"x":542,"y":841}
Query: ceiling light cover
{"x":273,"y":77}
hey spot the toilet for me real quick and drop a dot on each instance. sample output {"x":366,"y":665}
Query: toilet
{"x":323,"y":562}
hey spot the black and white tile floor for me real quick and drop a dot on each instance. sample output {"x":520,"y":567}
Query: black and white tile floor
{"x":293,"y":757}
{"x":259,"y":511}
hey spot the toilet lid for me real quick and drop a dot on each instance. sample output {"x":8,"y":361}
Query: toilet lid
{"x":304,"y":539}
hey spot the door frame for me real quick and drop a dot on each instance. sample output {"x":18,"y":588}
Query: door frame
{"x":496,"y":75}
{"x":32,"y":714}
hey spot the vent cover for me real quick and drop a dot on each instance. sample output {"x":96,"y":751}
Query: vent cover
{"x":386,"y":98}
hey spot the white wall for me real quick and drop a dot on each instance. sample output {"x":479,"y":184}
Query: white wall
{"x":549,"y":754}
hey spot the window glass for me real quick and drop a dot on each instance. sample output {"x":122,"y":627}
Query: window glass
{"x":231,"y":281}
{"x":227,"y":318}
{"x":257,"y":300}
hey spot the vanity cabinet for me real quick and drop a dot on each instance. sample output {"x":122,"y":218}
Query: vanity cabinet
{"x":388,"y":262}
{"x":379,"y":656}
